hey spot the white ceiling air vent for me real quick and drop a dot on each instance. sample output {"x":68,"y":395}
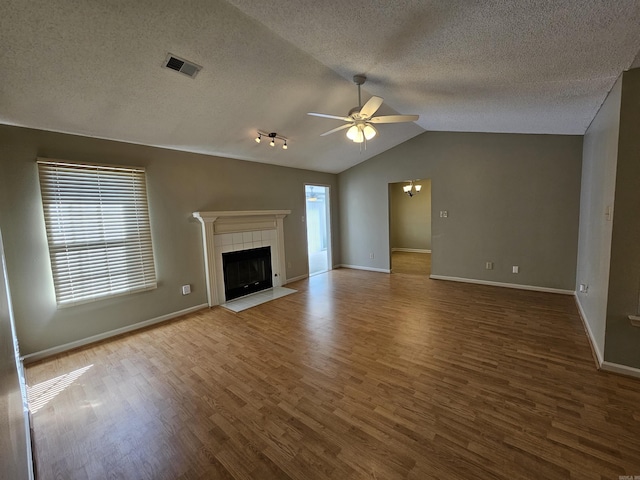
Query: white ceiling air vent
{"x":181,"y":65}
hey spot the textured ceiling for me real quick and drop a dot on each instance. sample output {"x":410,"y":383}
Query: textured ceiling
{"x":93,"y":68}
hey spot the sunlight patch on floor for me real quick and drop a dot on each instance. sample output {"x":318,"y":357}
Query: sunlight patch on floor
{"x":42,"y":393}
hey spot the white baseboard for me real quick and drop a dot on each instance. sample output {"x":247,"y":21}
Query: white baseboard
{"x":410,"y":250}
{"x":621,"y":369}
{"x":295,"y":279}
{"x":369,"y":269}
{"x":505,"y":285}
{"x":592,"y":339}
{"x":601,"y":363}
{"x":33,"y":357}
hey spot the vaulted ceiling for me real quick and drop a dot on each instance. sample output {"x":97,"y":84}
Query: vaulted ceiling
{"x":94,"y":68}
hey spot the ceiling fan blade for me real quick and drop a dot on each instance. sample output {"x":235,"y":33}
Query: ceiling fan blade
{"x":369,"y":108}
{"x":341,"y":127}
{"x":394,"y":118}
{"x":335,"y":117}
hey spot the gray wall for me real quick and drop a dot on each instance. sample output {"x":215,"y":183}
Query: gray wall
{"x":13,"y":437}
{"x":178,"y":184}
{"x":599,"y":158}
{"x":511,"y":199}
{"x":410,"y":217}
{"x":622,"y":344}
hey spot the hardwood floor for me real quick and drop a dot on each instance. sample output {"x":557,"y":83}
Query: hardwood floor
{"x":360,"y":375}
{"x":411,"y":263}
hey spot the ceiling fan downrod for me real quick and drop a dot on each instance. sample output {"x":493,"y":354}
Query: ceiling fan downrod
{"x":359,"y":80}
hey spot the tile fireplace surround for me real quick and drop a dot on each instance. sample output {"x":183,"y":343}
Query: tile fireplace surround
{"x":232,"y":231}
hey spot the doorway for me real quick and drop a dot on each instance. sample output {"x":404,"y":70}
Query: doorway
{"x":410,"y":227}
{"x":317,"y":204}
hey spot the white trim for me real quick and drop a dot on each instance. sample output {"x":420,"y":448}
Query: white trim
{"x":410,"y":250}
{"x":620,"y":369}
{"x":33,"y":357}
{"x":369,"y":269}
{"x":505,"y":285}
{"x":212,"y":216}
{"x":295,"y":279}
{"x":592,"y":339}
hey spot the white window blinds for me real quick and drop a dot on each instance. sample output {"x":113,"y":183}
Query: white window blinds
{"x":98,"y":230}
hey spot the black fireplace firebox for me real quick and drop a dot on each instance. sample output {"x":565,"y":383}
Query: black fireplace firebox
{"x":246,"y":271}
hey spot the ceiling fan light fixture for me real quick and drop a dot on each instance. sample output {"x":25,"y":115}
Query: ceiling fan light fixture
{"x":360,"y":119}
{"x":418,"y":188}
{"x":406,"y":188}
{"x":359,"y":137}
{"x":284,"y":147}
{"x":352,"y":133}
{"x":259,"y":138}
{"x":369,"y":132}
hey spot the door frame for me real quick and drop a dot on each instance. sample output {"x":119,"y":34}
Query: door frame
{"x":329,"y":220}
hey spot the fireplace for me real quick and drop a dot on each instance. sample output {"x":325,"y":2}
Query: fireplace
{"x":246,"y":271}
{"x":226,"y":232}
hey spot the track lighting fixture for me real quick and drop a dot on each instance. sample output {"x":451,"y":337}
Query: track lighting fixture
{"x":273,"y":136}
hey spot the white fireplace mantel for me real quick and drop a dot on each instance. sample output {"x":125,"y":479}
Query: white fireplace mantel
{"x":238,"y":222}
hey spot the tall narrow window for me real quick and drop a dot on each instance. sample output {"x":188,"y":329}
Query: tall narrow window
{"x":98,"y":230}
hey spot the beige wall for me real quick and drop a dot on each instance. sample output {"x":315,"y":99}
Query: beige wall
{"x":178,"y":184}
{"x":609,"y":250}
{"x":599,"y":158}
{"x":410,"y":217}
{"x":622,"y":344}
{"x":13,"y":430}
{"x":512,"y":199}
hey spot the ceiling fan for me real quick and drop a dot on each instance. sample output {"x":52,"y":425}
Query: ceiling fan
{"x":360,"y":119}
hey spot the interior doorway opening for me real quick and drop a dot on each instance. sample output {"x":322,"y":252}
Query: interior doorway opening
{"x":410,"y":227}
{"x":318,"y":221}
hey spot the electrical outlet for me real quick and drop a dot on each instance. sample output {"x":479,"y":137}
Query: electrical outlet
{"x":584,"y":288}
{"x":186,"y":289}
{"x":515,"y":269}
{"x":488,"y":265}
{"x":444,"y":214}
{"x":371,"y":255}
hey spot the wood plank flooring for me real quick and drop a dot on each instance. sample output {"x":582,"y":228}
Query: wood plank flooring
{"x":411,"y":263}
{"x":360,"y":375}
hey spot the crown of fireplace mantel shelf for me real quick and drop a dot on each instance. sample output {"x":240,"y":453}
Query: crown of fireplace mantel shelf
{"x":221,"y":222}
{"x":213,"y":216}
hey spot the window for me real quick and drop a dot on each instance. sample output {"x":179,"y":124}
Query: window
{"x":98,"y":230}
